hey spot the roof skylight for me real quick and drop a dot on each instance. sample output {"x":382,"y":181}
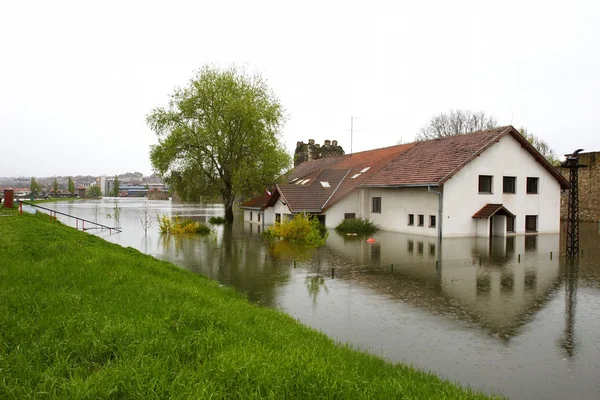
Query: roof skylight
{"x":325,"y":184}
{"x":293,"y":180}
{"x":365,"y":170}
{"x":354,"y":176}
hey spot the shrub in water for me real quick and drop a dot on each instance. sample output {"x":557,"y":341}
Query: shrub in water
{"x":177,"y":225}
{"x":302,"y":229}
{"x":357,"y":225}
{"x":217,"y":220}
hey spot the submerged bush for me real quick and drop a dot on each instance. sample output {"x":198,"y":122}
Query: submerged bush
{"x":217,"y":220}
{"x":177,"y":225}
{"x":357,"y":225}
{"x":302,"y":229}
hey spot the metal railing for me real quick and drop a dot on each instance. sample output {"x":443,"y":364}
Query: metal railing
{"x":53,"y":214}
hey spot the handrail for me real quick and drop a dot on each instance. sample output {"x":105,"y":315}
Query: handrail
{"x":66,"y":215}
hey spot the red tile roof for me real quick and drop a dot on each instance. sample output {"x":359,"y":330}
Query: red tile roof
{"x":256,"y":203}
{"x":432,"y":162}
{"x":312,"y":195}
{"x":492,"y":209}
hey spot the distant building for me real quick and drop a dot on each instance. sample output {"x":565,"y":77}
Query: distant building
{"x":311,"y":151}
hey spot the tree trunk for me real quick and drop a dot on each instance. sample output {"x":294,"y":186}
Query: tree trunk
{"x":228,"y":201}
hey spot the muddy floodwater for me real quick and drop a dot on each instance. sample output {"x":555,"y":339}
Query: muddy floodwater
{"x":506,"y":316}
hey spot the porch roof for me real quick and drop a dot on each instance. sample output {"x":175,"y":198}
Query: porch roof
{"x":489,"y":210}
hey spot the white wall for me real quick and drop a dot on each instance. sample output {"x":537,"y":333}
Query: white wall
{"x":348,"y":204}
{"x":397,"y":204}
{"x":280,"y":208}
{"x":254,"y":216}
{"x":505,"y":158}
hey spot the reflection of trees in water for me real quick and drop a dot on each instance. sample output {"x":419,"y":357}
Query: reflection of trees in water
{"x":314,"y":284}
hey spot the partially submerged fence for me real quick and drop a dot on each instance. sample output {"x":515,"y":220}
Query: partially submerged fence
{"x":83,"y":221}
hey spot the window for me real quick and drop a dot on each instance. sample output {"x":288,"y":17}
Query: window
{"x":421,"y":220}
{"x":376,"y":205}
{"x":510,"y":224}
{"x":431,"y":249}
{"x":432,"y":221}
{"x":411,"y":219}
{"x":258,"y":217}
{"x":250,"y":215}
{"x":485,"y":184}
{"x":509,"y":184}
{"x":532,"y":185}
{"x":350,"y":216}
{"x":277,"y":217}
{"x":531,"y":223}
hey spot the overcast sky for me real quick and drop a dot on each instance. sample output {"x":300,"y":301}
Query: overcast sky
{"x":77,"y":80}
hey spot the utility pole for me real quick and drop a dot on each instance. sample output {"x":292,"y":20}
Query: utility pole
{"x":572,"y":163}
{"x":351,"y":132}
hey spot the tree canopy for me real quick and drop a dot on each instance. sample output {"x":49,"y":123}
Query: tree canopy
{"x":34,"y":187}
{"x":55,"y":186}
{"x":94,"y":191}
{"x":456,"y":122}
{"x":219,"y":137}
{"x":116,"y":187}
{"x":71,"y":186}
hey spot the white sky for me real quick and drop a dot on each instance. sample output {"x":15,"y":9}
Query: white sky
{"x":77,"y":80}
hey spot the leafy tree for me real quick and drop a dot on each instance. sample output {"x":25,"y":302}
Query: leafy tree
{"x":55,"y":186}
{"x":71,"y":186}
{"x":34,"y":187}
{"x":94,"y":192}
{"x":116,"y":187}
{"x":456,"y":122}
{"x":219,"y":136}
{"x":541,"y":146}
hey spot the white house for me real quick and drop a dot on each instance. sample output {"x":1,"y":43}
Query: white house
{"x":487,"y":183}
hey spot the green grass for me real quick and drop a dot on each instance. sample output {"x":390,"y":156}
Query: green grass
{"x":358,"y":225}
{"x":84,"y":318}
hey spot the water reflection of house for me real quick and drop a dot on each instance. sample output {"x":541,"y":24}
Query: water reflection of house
{"x":486,"y":183}
{"x":497,"y":284}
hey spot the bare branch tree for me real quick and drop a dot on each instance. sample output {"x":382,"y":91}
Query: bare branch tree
{"x":146,"y":220}
{"x":541,"y":146}
{"x":456,"y":122}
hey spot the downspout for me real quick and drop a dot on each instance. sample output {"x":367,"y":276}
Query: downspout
{"x":439,"y":225}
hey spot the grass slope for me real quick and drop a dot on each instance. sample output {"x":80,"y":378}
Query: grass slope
{"x":84,"y":318}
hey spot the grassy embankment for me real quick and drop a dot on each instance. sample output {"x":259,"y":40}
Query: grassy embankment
{"x":84,"y":318}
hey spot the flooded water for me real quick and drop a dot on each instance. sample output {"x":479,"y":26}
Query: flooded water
{"x":507,"y":316}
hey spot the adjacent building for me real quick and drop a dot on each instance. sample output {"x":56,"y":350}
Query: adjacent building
{"x":487,"y":183}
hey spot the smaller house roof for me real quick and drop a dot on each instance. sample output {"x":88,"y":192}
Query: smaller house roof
{"x":489,"y":210}
{"x":257,"y":203}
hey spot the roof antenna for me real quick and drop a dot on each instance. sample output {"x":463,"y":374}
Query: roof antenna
{"x":351,"y":132}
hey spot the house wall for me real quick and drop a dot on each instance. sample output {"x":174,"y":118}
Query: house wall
{"x":397,"y":204}
{"x":281,"y":208}
{"x":505,"y":158}
{"x":254,"y":216}
{"x":335,"y":214}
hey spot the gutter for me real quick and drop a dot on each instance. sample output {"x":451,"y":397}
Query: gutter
{"x":439,"y":222}
{"x":401,"y":186}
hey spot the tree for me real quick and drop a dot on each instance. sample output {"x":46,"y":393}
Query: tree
{"x":55,"y":186}
{"x":541,"y":146}
{"x":94,"y":192}
{"x":71,"y":186}
{"x":456,"y":122}
{"x":116,"y":187}
{"x":34,"y":187}
{"x":219,"y":136}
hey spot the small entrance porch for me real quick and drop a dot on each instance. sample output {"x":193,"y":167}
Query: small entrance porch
{"x":491,"y":220}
